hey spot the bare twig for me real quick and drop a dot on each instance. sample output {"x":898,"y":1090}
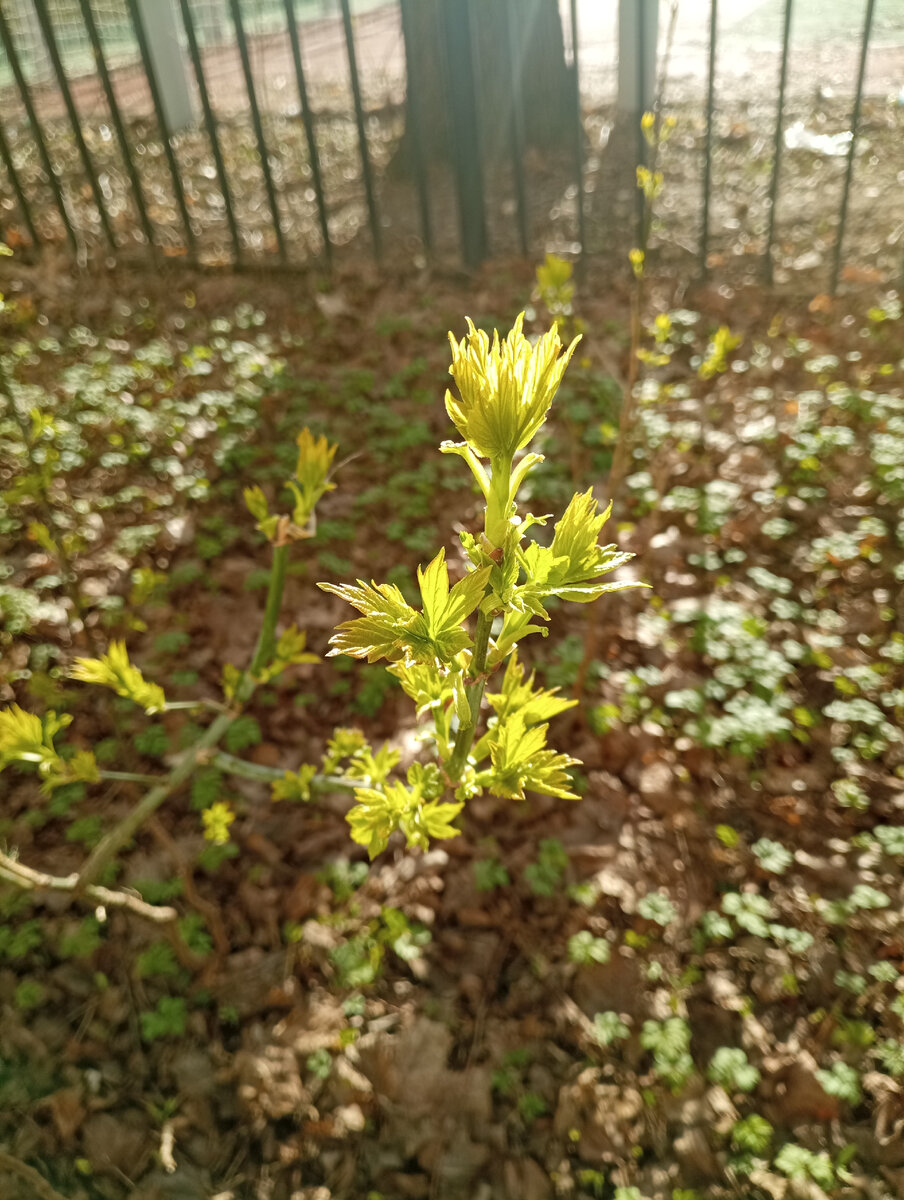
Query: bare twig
{"x":31,"y":880}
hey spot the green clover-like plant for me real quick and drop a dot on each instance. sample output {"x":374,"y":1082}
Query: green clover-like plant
{"x":445,"y":651}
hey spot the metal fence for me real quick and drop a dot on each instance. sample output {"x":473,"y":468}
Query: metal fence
{"x":787,"y":158}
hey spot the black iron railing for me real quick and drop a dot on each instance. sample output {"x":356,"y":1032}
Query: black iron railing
{"x":89,"y":154}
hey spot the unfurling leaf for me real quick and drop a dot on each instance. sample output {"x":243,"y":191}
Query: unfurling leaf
{"x":531,"y":703}
{"x":575,"y":541}
{"x":381,"y":631}
{"x":445,"y":609}
{"x":28,"y":738}
{"x":256,"y":503}
{"x":294,"y":785}
{"x":315,"y":457}
{"x":378,"y":813}
{"x":391,"y":628}
{"x":506,"y":387}
{"x":290,"y":652}
{"x":25,"y":737}
{"x":114,"y":670}
{"x":522,"y":762}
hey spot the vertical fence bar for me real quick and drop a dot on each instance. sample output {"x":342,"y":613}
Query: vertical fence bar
{"x":641,"y":104}
{"x":708,"y":142}
{"x":578,"y":137}
{"x":517,"y":125}
{"x":362,"y":131}
{"x":37,"y":132}
{"x":235,"y":9}
{"x":116,"y":117}
{"x":210,"y":124}
{"x":63,"y":84}
{"x":852,"y":149}
{"x":467,"y":161}
{"x":308,"y":120}
{"x":414,"y":117}
{"x":778,"y":143}
{"x":21,"y":198}
{"x":153,"y":84}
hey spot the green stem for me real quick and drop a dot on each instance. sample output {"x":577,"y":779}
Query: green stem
{"x":148,"y":805}
{"x":266,"y":642}
{"x":240,"y":767}
{"x":464,"y":739}
{"x":176,"y":705}
{"x":198,"y":753}
{"x":129,"y":777}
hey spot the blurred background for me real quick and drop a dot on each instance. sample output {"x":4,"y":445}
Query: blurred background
{"x":290,"y":132}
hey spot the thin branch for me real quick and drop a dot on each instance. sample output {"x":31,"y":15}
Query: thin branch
{"x":129,"y":777}
{"x":474,"y":690}
{"x":203,"y":702}
{"x":30,"y":880}
{"x":242,"y":769}
{"x":148,"y":805}
{"x":198,"y":753}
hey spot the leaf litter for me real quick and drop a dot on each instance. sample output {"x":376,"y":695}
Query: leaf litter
{"x":533,"y":1008}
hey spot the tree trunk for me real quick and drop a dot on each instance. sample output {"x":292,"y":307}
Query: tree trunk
{"x":518,"y":50}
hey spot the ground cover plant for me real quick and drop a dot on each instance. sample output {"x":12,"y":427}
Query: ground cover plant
{"x":688,"y":984}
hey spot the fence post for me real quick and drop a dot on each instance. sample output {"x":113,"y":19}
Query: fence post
{"x":638,"y":37}
{"x":37,"y":131}
{"x":6,"y":157}
{"x":852,"y":148}
{"x":768,"y":265}
{"x":159,"y":20}
{"x":708,"y":136}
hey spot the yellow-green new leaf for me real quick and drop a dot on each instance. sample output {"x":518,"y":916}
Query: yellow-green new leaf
{"x":571,"y":567}
{"x":378,"y":813}
{"x":506,"y":387}
{"x":81,"y":768}
{"x":434,"y":587}
{"x":521,"y":762}
{"x":424,"y":684}
{"x":290,"y":652}
{"x":533,"y":704}
{"x":445,"y":609}
{"x":385,"y":628}
{"x":315,"y":457}
{"x":216,"y":821}
{"x":26,"y":737}
{"x":114,"y":670}
{"x":256,"y":503}
{"x":375,"y":768}
{"x":294,"y":785}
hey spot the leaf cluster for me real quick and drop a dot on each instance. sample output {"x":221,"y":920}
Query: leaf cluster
{"x":506,"y":387}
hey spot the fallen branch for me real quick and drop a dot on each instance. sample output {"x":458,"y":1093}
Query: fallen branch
{"x":30,"y":880}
